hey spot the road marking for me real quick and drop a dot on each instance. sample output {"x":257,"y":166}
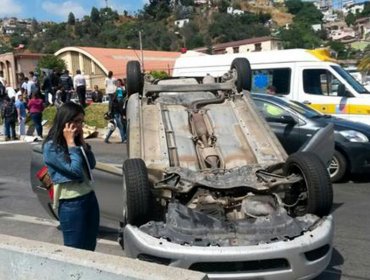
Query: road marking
{"x":46,"y":222}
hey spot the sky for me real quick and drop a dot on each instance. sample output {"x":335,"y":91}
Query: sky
{"x":58,"y":10}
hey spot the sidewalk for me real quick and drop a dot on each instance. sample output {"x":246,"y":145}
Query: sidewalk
{"x":101,"y":132}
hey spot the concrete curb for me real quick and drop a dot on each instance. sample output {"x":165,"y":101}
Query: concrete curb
{"x":26,"y":259}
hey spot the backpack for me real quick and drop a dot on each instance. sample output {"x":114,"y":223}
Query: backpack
{"x":10,"y":111}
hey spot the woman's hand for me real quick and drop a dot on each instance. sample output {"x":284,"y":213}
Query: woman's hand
{"x":69,"y":133}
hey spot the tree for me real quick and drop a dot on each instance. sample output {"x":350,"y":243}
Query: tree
{"x":94,"y":15}
{"x":350,"y":19}
{"x":51,"y":62}
{"x":299,"y":35}
{"x":71,"y":19}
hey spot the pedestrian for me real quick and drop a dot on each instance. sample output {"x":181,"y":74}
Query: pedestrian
{"x":97,"y":95}
{"x":79,"y":83}
{"x":54,"y":77}
{"x":120,"y":90}
{"x":46,"y":87}
{"x":9,"y":116}
{"x":66,"y":82}
{"x":110,"y":86}
{"x":271,"y":90}
{"x":22,"y":114}
{"x":117,"y":113}
{"x":69,"y":160}
{"x":35,"y":107}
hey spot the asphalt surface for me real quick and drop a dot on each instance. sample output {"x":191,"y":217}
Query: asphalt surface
{"x":21,"y":215}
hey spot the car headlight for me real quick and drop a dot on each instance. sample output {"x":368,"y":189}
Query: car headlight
{"x":354,"y":136}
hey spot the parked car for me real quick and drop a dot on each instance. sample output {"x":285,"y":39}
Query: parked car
{"x":207,"y":186}
{"x":295,"y":123}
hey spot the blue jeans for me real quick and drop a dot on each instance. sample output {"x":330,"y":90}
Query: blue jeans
{"x":37,"y":119}
{"x":120,"y":125}
{"x":79,"y":220}
{"x":9,"y":125}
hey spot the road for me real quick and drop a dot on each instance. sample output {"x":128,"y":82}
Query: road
{"x":22,"y":216}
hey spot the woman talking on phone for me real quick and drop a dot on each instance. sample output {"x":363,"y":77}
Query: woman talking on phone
{"x":69,"y":160}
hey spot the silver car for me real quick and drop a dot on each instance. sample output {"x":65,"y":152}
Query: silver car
{"x":208,"y":186}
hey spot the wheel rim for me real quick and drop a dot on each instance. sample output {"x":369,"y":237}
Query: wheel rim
{"x":300,"y":187}
{"x":333,"y":168}
{"x":124,"y":199}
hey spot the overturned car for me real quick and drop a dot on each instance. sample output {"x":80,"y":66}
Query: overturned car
{"x":207,"y":185}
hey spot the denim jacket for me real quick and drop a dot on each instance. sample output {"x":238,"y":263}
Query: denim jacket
{"x":60,"y":169}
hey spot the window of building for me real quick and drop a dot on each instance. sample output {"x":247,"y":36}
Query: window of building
{"x":258,"y":47}
{"x":235,"y":49}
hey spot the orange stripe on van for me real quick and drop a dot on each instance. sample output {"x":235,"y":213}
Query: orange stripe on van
{"x":342,"y":109}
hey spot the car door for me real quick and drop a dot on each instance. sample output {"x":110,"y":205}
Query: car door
{"x":284,"y":124}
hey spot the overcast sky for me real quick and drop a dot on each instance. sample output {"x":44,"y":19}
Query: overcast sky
{"x":58,"y":10}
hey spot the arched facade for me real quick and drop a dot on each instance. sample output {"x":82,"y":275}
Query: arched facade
{"x":95,"y":63}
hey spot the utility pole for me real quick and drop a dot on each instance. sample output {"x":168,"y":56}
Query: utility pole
{"x":106,"y":4}
{"x":141,"y":50}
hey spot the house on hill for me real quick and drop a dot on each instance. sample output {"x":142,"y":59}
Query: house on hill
{"x":247,"y":45}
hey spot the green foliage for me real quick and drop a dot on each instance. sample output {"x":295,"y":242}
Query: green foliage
{"x":305,"y":12}
{"x":159,"y":74}
{"x":350,"y":19}
{"x":243,"y":27}
{"x":93,"y":115}
{"x":339,"y":48}
{"x":71,"y":19}
{"x":51,"y":62}
{"x":299,"y":35}
{"x":94,"y":15}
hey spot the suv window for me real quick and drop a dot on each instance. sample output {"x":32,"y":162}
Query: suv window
{"x":279,"y":78}
{"x":320,"y":82}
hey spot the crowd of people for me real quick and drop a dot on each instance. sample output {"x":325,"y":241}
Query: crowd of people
{"x":32,"y":95}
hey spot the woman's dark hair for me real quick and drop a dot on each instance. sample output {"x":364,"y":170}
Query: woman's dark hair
{"x":110,"y":74}
{"x":66,"y":113}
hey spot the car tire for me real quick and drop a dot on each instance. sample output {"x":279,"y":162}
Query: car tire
{"x":244,"y":73}
{"x":137,"y":196}
{"x":338,"y":167}
{"x":316,"y":183}
{"x":134,"y":81}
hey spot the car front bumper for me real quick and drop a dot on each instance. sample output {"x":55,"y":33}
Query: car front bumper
{"x":303,"y":257}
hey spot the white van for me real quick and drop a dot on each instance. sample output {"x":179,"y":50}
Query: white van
{"x":309,"y":76}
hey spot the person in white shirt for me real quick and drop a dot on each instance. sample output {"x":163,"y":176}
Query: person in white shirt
{"x":79,"y":83}
{"x":110,"y":86}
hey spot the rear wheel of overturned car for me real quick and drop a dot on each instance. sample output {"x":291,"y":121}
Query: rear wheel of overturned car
{"x":137,"y":197}
{"x":244,"y":73}
{"x":134,"y":82}
{"x":338,"y":167}
{"x":313,"y":194}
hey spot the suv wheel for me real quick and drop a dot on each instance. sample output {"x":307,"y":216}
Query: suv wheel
{"x":244,"y":73}
{"x":137,"y":197}
{"x":314,"y":194}
{"x":134,"y":82}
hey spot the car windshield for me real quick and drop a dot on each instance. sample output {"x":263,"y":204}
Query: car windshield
{"x":304,"y":110}
{"x":349,"y":79}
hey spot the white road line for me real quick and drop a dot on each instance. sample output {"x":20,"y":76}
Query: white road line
{"x":27,"y":219}
{"x":41,"y":221}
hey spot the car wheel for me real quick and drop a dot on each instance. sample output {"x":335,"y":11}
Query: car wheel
{"x":244,"y":73}
{"x":134,"y":82}
{"x":337,"y":167}
{"x":314,"y":194}
{"x":137,"y":197}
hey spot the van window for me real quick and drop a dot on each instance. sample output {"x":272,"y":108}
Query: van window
{"x":320,"y":82}
{"x":279,"y":78}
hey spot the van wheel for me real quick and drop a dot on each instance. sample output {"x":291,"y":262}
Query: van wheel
{"x":244,"y":73}
{"x":314,"y":194}
{"x":338,"y":167}
{"x":137,"y":197}
{"x":134,"y":82}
